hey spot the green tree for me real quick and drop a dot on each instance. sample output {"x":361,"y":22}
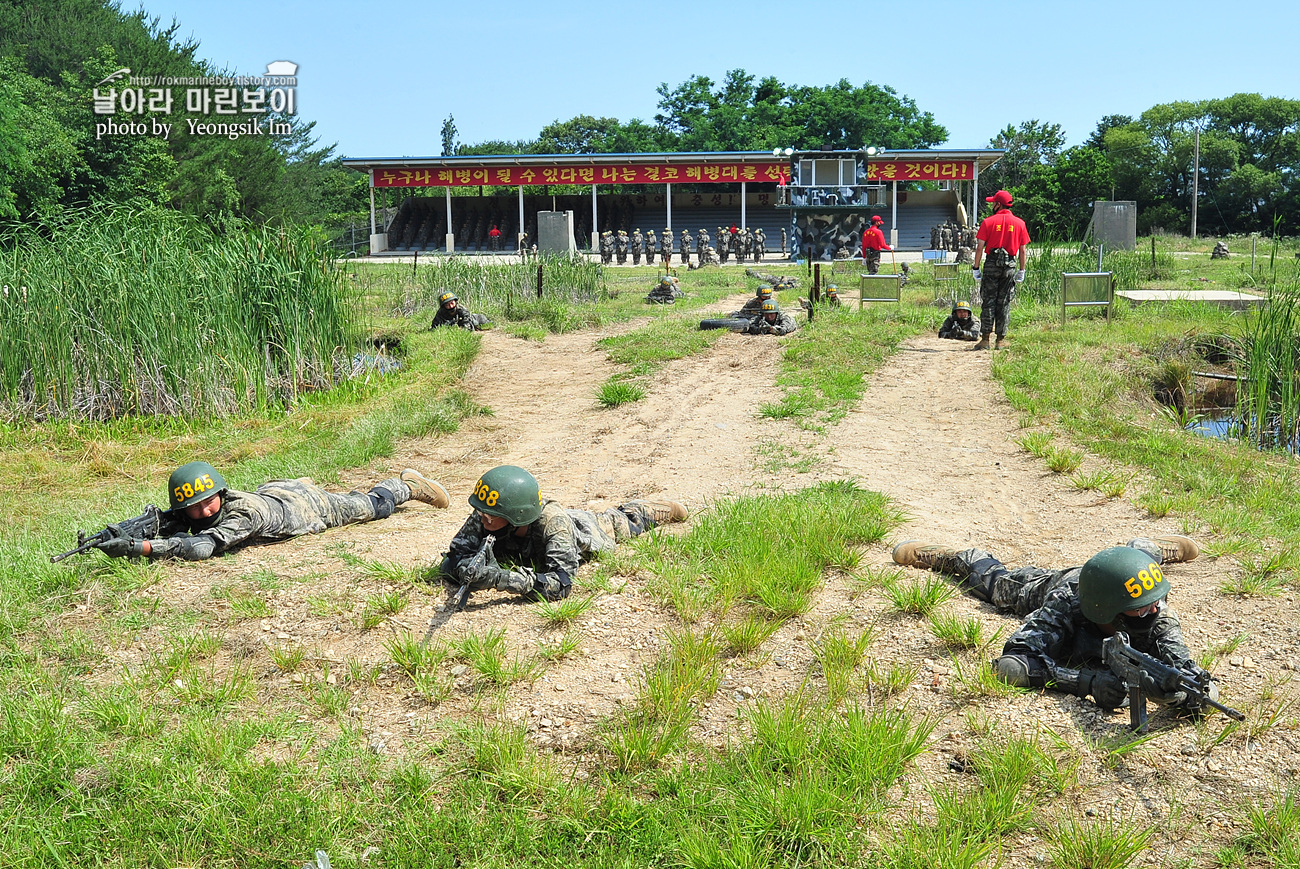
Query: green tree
{"x":448,"y":135}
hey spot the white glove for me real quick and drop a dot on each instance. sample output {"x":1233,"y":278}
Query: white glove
{"x":1020,"y":276}
{"x":975,"y":273}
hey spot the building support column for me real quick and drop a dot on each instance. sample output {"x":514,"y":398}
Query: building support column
{"x":451,"y":235}
{"x":742,"y":205}
{"x":378,"y":240}
{"x":669,"y":200}
{"x":595,"y":222}
{"x":893,"y":220}
{"x":972,"y":219}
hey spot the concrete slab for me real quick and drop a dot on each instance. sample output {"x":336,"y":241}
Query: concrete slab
{"x":1238,"y":301}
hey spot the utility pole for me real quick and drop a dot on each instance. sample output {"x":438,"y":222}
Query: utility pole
{"x":1196,"y":177}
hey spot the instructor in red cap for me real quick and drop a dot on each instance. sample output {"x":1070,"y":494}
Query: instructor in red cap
{"x":1004,"y":237}
{"x":873,"y":242}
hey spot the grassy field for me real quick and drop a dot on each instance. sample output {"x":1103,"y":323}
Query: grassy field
{"x":175,"y":763}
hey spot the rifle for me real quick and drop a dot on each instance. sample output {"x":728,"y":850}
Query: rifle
{"x":456,"y":603}
{"x":144,"y":527}
{"x":1131,"y":665}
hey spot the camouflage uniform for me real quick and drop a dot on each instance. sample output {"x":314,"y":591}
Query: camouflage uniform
{"x":997,"y":284}
{"x":959,"y":330}
{"x":460,"y":318}
{"x":620,"y":247}
{"x":686,"y":247}
{"x":1057,"y":640}
{"x":637,"y":244}
{"x":663,"y":294}
{"x":666,"y":245}
{"x":606,"y":247}
{"x":784,"y":325}
{"x":871,"y":259}
{"x":555,"y":543}
{"x":723,"y":252}
{"x":784,"y":241}
{"x":760,"y":244}
{"x":276,"y":511}
{"x":650,"y":248}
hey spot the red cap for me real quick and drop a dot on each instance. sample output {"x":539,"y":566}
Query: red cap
{"x":1002,"y":198}
{"x":876,"y":218}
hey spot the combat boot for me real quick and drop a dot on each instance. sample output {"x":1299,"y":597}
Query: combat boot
{"x":983,"y":343}
{"x":1001,"y":343}
{"x":424,"y":489}
{"x":914,"y":553}
{"x":1175,"y":548}
{"x":657,"y":512}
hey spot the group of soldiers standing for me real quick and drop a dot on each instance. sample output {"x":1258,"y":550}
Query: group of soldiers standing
{"x":743,"y":244}
{"x":954,"y":237}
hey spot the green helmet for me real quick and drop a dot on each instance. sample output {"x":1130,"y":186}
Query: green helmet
{"x":770,"y":308}
{"x":446,"y":297}
{"x":832,"y":290}
{"x":665,"y":281}
{"x":192,"y":483}
{"x":763,"y":291}
{"x":1118,"y":579}
{"x":509,"y":493}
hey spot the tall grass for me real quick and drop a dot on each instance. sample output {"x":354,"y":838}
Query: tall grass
{"x":506,"y":288}
{"x":140,"y":310}
{"x":1048,"y":259}
{"x":1268,"y":357}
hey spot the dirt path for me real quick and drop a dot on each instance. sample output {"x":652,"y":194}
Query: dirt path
{"x":933,"y":431}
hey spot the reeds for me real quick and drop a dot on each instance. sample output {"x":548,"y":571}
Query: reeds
{"x":1268,"y":359}
{"x":130,"y":310}
{"x":508,"y":289}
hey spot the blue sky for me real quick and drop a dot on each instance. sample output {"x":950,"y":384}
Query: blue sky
{"x":379,"y":80}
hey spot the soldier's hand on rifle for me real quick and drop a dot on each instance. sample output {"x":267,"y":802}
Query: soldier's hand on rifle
{"x":121,"y":547}
{"x":1108,"y":690}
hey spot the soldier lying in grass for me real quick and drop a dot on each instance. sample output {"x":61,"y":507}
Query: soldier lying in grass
{"x":541,"y":541}
{"x":207,"y":518}
{"x":1071,"y":612}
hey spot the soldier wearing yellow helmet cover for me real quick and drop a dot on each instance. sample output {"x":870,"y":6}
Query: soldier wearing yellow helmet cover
{"x":206,"y":517}
{"x":540,"y":542}
{"x":450,"y":313}
{"x":1070,"y":612}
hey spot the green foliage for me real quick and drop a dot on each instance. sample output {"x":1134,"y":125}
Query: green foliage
{"x":124,"y":309}
{"x":614,"y":392}
{"x":766,"y":551}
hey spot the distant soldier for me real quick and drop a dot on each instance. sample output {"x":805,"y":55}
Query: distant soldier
{"x":721,"y":236}
{"x":760,"y":244}
{"x":638,"y":243}
{"x":494,"y":239}
{"x":620,"y":247}
{"x":666,"y":245}
{"x":945,"y":237}
{"x":701,"y":242}
{"x":772,"y":321}
{"x":753,"y":307}
{"x":1220,"y":250}
{"x":833,"y":296}
{"x":666,"y":292}
{"x":523,"y":244}
{"x":607,"y":247}
{"x":650,"y":247}
{"x":961,"y":324}
{"x":1000,"y":247}
{"x":450,"y":313}
{"x":785,"y":243}
{"x":934,"y":237}
{"x":686,"y":247}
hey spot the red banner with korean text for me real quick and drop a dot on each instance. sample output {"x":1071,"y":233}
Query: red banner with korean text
{"x":921,"y":170}
{"x":677,"y":173}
